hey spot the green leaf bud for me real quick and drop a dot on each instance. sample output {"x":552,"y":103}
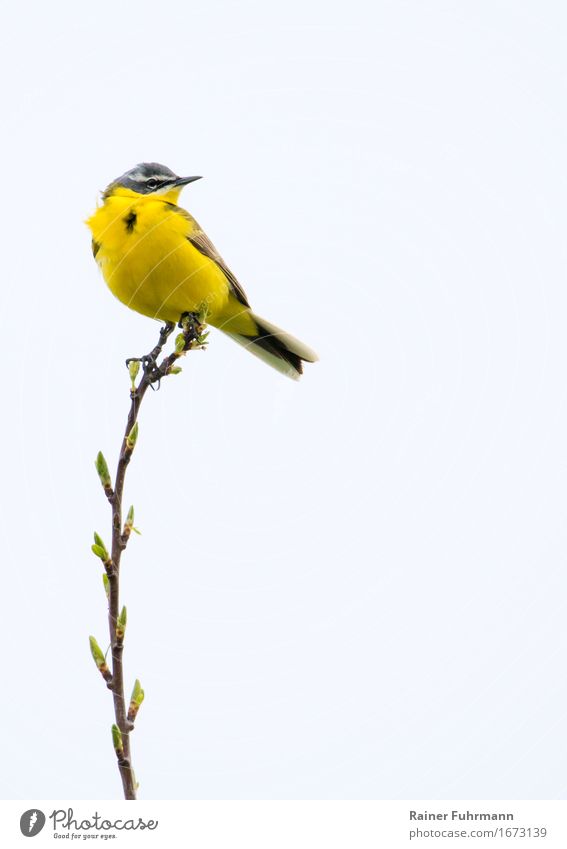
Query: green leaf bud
{"x":102,"y":471}
{"x":132,"y":437}
{"x":117,"y":740}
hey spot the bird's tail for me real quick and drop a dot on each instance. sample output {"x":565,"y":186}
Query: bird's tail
{"x":275,"y":347}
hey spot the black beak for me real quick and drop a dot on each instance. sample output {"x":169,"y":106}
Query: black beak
{"x":182,"y":181}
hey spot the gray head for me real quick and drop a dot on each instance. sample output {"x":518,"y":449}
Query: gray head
{"x":149,"y":178}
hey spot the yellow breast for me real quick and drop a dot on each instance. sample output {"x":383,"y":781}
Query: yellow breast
{"x":148,"y":262}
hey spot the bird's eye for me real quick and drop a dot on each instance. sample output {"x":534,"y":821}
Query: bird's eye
{"x":152,"y":183}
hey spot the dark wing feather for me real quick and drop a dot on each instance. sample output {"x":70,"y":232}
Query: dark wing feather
{"x":201,"y":241}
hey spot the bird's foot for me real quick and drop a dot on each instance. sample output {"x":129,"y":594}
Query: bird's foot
{"x":149,"y":361}
{"x":149,"y":365}
{"x":166,"y":332}
{"x":193,"y":326}
{"x":189,"y":321}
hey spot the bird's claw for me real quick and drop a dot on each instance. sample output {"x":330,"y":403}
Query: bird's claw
{"x":189,"y":321}
{"x":149,"y":365}
{"x":165,"y":332}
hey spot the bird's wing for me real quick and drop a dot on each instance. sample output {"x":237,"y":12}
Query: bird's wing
{"x":201,"y":241}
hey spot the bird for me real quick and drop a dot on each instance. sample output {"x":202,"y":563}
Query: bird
{"x":157,"y":260}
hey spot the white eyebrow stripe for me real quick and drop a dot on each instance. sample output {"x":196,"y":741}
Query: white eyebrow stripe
{"x":140,"y":177}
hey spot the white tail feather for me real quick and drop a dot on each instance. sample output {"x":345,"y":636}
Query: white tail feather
{"x":294,"y":345}
{"x":271,"y":359}
{"x":277,"y":361}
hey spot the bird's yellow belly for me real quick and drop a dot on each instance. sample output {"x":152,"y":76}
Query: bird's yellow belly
{"x":156,"y":271}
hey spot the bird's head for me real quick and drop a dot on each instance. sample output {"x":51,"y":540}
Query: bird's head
{"x":149,"y":179}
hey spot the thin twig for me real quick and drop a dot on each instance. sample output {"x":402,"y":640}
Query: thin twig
{"x":191,"y":336}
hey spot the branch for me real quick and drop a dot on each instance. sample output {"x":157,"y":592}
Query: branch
{"x":191,"y":336}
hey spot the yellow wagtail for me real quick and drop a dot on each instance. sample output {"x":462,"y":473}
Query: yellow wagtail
{"x":156,"y":259}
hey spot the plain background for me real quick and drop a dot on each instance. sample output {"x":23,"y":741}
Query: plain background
{"x":350,"y":587}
